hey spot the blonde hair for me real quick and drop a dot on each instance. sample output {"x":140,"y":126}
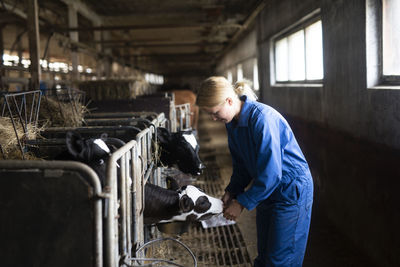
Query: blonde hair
{"x":243,"y":88}
{"x":214,"y":90}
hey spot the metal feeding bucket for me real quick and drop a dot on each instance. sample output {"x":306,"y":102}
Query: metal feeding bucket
{"x":174,"y":228}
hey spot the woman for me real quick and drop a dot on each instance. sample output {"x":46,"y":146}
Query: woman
{"x":266,"y":155}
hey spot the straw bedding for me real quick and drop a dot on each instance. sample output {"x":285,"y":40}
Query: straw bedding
{"x":9,"y":141}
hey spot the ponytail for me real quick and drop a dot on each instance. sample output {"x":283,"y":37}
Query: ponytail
{"x":214,"y":90}
{"x":243,"y":88}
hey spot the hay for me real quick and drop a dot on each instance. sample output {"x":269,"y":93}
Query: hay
{"x":116,"y":89}
{"x":61,"y":114}
{"x":9,"y":141}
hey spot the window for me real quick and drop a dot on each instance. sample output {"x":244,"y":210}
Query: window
{"x":383,"y":44}
{"x":154,"y":78}
{"x":229,"y":77}
{"x":298,"y":54}
{"x":390,"y":40}
{"x":256,"y":84}
{"x":239,"y":72}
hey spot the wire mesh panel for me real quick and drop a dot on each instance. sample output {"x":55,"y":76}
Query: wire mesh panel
{"x":22,"y":111}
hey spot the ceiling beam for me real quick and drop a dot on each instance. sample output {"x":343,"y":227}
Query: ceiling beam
{"x":148,"y":27}
{"x":177,"y":44}
{"x":249,"y":20}
{"x":179,"y":55}
{"x":84,"y":10}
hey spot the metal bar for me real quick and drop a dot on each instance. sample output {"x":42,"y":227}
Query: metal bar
{"x":210,"y":238}
{"x":243,"y":249}
{"x":233,"y":243}
{"x":123,"y":207}
{"x":15,"y":128}
{"x":2,"y":152}
{"x":31,"y":108}
{"x":19,"y":113}
{"x":38,"y":107}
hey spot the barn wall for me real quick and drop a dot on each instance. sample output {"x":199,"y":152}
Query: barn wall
{"x":350,"y":134}
{"x":243,"y":53}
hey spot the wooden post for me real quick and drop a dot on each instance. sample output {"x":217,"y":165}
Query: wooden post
{"x":73,"y":22}
{"x":19,"y":52}
{"x":1,"y":58}
{"x":34,"y":42}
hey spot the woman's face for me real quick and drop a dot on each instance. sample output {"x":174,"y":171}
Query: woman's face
{"x":223,"y":112}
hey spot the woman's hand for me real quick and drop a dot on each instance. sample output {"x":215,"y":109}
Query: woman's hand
{"x":226,"y":198}
{"x":233,"y":210}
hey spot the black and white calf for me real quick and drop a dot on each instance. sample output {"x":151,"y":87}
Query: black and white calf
{"x":189,"y":204}
{"x":180,"y":148}
{"x":92,"y":151}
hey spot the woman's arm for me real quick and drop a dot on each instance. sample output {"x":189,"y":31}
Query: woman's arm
{"x":267,"y":139}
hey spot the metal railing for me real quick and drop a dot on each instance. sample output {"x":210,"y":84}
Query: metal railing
{"x":128,"y":170}
{"x":55,"y":169}
{"x":183,"y":117}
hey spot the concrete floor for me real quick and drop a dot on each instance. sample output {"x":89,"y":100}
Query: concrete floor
{"x":326,"y":247}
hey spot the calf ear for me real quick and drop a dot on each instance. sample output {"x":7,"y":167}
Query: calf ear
{"x":74,"y":144}
{"x":163,"y":135}
{"x":103,"y":136}
{"x":172,"y":184}
{"x":186,"y":203}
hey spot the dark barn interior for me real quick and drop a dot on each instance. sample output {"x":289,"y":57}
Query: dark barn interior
{"x":331,"y":68}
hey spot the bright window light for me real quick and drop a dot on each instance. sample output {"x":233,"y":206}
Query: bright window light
{"x":299,"y":56}
{"x":256,"y":85}
{"x":154,"y":78}
{"x":314,"y":66}
{"x":229,"y":77}
{"x":391,"y":37}
{"x":281,"y":60}
{"x":239,"y":72}
{"x":296,"y":56}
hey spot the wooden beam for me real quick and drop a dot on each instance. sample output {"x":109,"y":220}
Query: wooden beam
{"x":164,"y":44}
{"x":143,"y":40}
{"x":84,"y":10}
{"x":74,"y":36}
{"x":34,"y":42}
{"x":148,"y":27}
{"x":249,"y":20}
{"x":202,"y":55}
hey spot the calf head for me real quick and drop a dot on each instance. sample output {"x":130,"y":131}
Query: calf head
{"x":180,"y":148}
{"x":195,"y":205}
{"x":92,"y":151}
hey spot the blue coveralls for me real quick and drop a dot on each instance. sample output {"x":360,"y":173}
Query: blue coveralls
{"x":264,"y":151}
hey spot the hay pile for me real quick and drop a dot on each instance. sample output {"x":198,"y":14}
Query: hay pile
{"x":115,"y":89}
{"x":9,"y":141}
{"x":55,"y":113}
